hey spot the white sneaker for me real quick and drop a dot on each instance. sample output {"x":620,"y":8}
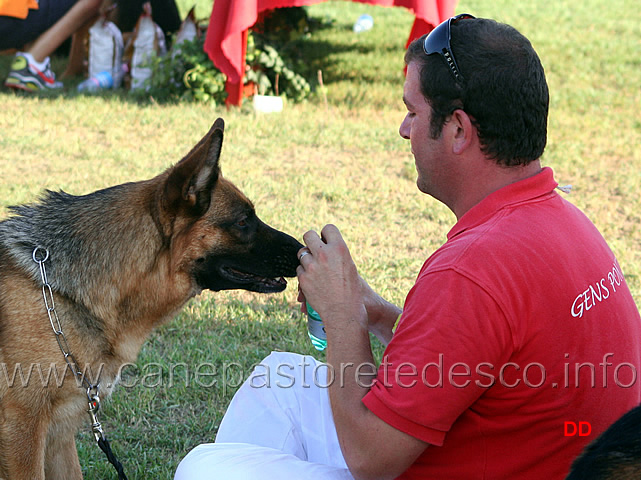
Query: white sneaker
{"x":31,"y":76}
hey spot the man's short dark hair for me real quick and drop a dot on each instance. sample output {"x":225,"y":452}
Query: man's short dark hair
{"x":504,"y":92}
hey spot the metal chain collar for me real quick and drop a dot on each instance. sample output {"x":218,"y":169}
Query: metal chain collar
{"x":40,"y":256}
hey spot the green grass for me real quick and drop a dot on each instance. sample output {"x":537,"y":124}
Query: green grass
{"x":340,"y":161}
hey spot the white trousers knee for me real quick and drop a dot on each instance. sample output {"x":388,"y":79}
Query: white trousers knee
{"x":279,"y":425}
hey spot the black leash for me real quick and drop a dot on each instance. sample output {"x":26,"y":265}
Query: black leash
{"x":99,"y":435}
{"x":103,"y":443}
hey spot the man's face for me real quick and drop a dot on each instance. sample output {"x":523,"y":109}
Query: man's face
{"x":428,"y":152}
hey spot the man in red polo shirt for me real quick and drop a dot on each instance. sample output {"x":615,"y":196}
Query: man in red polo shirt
{"x":518,"y":343}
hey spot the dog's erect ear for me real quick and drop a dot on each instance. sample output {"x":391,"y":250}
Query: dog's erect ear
{"x":190,"y":182}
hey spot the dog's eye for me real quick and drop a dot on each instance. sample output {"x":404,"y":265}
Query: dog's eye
{"x":241,"y":223}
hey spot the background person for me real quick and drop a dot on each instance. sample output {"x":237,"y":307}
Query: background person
{"x":39,"y":28}
{"x":47,"y":23}
{"x":479,"y":376}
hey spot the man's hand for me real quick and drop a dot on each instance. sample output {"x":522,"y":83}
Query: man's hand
{"x":349,"y":308}
{"x":328,"y":277}
{"x":327,"y":257}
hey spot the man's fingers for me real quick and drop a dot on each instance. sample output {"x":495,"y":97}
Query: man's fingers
{"x":331,"y":234}
{"x":313,"y":241}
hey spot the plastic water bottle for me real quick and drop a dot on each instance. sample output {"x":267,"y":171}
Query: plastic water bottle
{"x":316,"y":329}
{"x":365,"y":22}
{"x":100,"y":81}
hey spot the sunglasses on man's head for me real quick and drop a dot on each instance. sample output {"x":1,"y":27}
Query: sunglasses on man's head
{"x":438,"y":41}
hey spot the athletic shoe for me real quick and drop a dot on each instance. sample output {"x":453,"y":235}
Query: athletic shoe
{"x":26,"y":74}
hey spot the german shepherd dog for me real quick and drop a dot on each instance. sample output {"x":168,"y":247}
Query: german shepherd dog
{"x":117,"y":263}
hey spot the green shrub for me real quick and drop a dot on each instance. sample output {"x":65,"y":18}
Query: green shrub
{"x":272,"y":74}
{"x":186,"y":74}
{"x":272,"y":46}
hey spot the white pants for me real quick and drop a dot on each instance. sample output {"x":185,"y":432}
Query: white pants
{"x":279,"y":425}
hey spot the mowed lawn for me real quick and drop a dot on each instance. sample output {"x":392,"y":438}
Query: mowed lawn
{"x":335,"y":158}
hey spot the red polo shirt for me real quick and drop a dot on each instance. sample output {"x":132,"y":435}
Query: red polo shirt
{"x":519,"y":331}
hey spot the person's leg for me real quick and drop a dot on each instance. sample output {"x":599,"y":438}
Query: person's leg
{"x":31,"y":69}
{"x":281,"y":420}
{"x":81,"y":13}
{"x":284,"y":404}
{"x":18,"y":33}
{"x":242,"y":461}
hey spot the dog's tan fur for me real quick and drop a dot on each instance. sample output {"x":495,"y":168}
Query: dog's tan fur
{"x":127,"y":260}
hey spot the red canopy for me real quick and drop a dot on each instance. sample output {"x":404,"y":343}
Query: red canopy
{"x":226,"y":40}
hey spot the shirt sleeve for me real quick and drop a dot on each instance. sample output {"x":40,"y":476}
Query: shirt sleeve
{"x":450,"y":341}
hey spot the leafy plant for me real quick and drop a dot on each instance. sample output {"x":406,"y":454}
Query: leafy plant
{"x":274,"y":61}
{"x":272,"y":66}
{"x":271,"y":73}
{"x":187,"y":73}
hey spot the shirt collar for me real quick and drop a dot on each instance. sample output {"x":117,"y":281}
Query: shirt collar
{"x":524,"y":190}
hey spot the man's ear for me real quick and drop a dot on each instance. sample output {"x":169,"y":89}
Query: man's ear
{"x":463,"y":133}
{"x":190,"y":182}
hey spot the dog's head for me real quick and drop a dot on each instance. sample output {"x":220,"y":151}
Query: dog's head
{"x":222,"y":242}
